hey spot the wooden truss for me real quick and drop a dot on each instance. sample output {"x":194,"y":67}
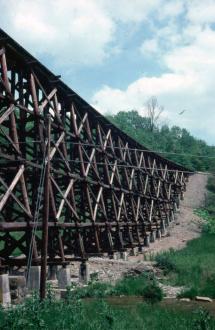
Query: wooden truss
{"x":106,"y":192}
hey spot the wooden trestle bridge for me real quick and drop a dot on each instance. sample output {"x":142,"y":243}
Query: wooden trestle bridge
{"x":71,"y":183}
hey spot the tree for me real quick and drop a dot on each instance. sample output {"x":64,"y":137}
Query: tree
{"x":154,"y":110}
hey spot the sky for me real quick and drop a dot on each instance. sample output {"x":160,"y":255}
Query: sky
{"x":118,"y":53}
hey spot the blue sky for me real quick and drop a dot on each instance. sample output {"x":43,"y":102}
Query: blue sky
{"x":118,"y":53}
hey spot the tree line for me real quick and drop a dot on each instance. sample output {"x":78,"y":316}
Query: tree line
{"x":186,"y":150}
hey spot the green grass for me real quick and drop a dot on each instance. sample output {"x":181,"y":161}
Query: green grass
{"x":141,"y":285}
{"x":77,"y":315}
{"x":192,"y":267}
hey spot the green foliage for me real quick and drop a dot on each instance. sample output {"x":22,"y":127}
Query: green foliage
{"x":141,"y":285}
{"x":210,"y":198}
{"x":98,"y":315}
{"x":208,"y":213}
{"x":188,"y":293}
{"x":203,"y":321}
{"x":192,"y":267}
{"x":174,"y":140}
{"x":209,"y":224}
{"x":165,"y":262}
{"x":152,"y":293}
{"x":93,"y":290}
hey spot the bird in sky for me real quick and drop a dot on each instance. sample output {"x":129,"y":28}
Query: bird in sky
{"x":181,"y":113}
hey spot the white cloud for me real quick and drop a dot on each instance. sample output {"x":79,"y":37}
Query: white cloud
{"x":201,"y":12}
{"x":188,"y":85}
{"x":149,"y":46}
{"x":131,"y":11}
{"x":171,"y":9}
{"x":75,"y":32}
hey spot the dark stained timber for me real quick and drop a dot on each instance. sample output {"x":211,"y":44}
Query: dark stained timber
{"x":103,"y":191}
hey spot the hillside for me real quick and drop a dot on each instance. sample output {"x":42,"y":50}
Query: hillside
{"x":179,"y":144}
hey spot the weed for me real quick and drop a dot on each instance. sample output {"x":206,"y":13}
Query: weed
{"x":165,"y":262}
{"x":188,"y":293}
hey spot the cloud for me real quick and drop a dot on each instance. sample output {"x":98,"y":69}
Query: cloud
{"x":131,"y":11}
{"x":149,"y":46}
{"x":201,"y":12}
{"x":72,"y":32}
{"x":188,"y":82}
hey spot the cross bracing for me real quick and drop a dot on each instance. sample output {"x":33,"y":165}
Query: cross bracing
{"x":103,"y":191}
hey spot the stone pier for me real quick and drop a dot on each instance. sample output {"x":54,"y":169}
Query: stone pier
{"x":146,"y":241}
{"x":152,"y":236}
{"x":33,"y":282}
{"x":52,"y":272}
{"x":64,"y":277}
{"x":84,"y":274}
{"x":5,"y":298}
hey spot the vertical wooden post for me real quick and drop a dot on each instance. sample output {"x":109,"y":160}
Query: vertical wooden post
{"x":45,"y":216}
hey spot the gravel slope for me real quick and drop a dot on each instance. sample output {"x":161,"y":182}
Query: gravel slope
{"x":187,"y":224}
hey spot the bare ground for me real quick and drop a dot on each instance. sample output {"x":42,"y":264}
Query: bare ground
{"x":187,"y":226}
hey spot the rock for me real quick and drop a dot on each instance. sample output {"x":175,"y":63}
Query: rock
{"x":206,"y":299}
{"x":184,"y":299}
{"x":17,"y":281}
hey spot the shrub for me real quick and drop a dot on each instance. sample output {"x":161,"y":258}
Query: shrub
{"x":165,"y":262}
{"x":189,"y":293}
{"x":209,"y":224}
{"x":152,"y":293}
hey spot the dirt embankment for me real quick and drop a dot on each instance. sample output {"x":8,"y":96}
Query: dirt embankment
{"x":187,"y":225}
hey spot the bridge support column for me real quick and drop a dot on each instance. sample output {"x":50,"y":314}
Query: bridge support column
{"x":134,"y":251}
{"x":167,"y":220}
{"x":5,"y":298}
{"x":158,"y":234}
{"x":84,"y":274}
{"x":33,"y":282}
{"x":163,"y":228}
{"x":64,"y":277}
{"x":152,"y":236}
{"x":52,"y":272}
{"x":141,"y":249}
{"x":172,"y":216}
{"x":124,"y":255}
{"x":115,"y":256}
{"x":146,"y":241}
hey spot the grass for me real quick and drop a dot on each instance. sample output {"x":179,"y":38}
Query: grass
{"x":79,"y":315}
{"x":141,"y":285}
{"x":192,"y":267}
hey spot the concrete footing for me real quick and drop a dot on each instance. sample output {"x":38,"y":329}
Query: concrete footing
{"x":163,"y":228}
{"x":124,"y":255}
{"x":64,"y":277}
{"x":33,"y":282}
{"x":84,"y":274}
{"x":116,"y":255}
{"x":158,"y":233}
{"x":152,"y":237}
{"x":134,"y":251}
{"x":172,"y":216}
{"x":146,"y":241}
{"x":141,"y":249}
{"x":5,"y":298}
{"x":167,"y":221}
{"x":52,"y":272}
